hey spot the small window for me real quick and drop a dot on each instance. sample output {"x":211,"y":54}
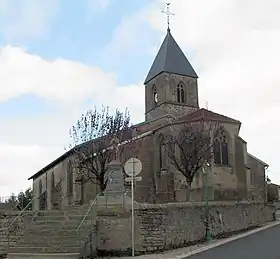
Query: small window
{"x":53,"y":181}
{"x":162,"y":158}
{"x":40,"y":187}
{"x":155,"y":95}
{"x":181,"y":93}
{"x":52,"y":186}
{"x":70,"y":178}
{"x":224,"y":147}
{"x":178,"y":95}
{"x":221,"y":155}
{"x":162,"y":152}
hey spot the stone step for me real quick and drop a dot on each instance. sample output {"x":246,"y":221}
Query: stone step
{"x":49,"y":218}
{"x":2,"y":252}
{"x":43,"y":227}
{"x":65,"y":219}
{"x":6,"y":235}
{"x":62,"y":225}
{"x":55,"y":223}
{"x":53,"y":232}
{"x":50,"y":213}
{"x":29,"y":238}
{"x":50,"y":242}
{"x":43,"y":256}
{"x":81,"y":217}
{"x":44,"y":249}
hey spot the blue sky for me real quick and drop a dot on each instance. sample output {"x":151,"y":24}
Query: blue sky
{"x":81,"y":31}
{"x":61,"y":57}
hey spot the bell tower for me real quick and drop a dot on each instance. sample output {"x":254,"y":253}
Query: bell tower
{"x":171,"y":84}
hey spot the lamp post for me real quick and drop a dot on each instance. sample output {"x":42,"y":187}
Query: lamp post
{"x":206,"y":200}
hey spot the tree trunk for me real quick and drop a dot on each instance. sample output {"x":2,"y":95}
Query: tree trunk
{"x":188,"y":190}
{"x":102,"y":184}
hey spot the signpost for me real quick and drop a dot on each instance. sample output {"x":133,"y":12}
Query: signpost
{"x":136,"y":179}
{"x":206,"y":200}
{"x":132,"y":168}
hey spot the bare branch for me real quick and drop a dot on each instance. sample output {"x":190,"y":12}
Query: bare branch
{"x":91,"y":136}
{"x":194,"y":147}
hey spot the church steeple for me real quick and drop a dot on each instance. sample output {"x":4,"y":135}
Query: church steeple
{"x":171,"y":84}
{"x":171,"y":59}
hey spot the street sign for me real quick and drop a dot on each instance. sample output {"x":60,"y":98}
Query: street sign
{"x":133,"y":167}
{"x":137,"y":179}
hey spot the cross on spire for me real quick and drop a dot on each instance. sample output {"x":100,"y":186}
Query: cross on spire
{"x":168,"y":13}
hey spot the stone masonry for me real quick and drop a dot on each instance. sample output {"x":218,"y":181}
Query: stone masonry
{"x":157,"y":227}
{"x":173,"y":225}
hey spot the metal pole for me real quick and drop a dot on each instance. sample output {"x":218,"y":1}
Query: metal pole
{"x":208,"y":233}
{"x":132,"y":210}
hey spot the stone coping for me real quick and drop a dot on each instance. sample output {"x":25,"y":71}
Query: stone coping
{"x":198,"y":204}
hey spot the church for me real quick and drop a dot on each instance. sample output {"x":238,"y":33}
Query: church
{"x":171,"y":101}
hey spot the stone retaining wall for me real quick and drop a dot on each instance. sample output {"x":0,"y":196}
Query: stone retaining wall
{"x":167,"y":226}
{"x":6,"y":219}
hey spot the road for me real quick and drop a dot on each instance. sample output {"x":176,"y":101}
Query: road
{"x":261,"y":245}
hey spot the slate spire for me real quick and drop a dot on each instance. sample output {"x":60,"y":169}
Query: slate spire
{"x":170,"y":58}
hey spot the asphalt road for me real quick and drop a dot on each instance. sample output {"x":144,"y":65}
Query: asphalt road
{"x":261,"y":245}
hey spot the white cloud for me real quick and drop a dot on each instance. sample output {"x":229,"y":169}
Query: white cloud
{"x":62,"y":80}
{"x":131,"y":39}
{"x":17,"y":162}
{"x":97,"y":6}
{"x":28,"y":144}
{"x":29,"y":19}
{"x":233,"y":45}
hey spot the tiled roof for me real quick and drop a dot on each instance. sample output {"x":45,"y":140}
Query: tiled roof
{"x":207,"y":115}
{"x":170,"y":58}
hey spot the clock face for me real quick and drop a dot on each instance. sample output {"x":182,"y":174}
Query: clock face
{"x":156,"y":97}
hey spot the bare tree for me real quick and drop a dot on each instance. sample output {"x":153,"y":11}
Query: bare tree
{"x":91,"y":137}
{"x":194,"y":147}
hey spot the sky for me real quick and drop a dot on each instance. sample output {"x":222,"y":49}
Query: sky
{"x":61,"y":57}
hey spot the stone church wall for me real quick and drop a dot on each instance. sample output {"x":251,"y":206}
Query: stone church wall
{"x":257,"y":174}
{"x":160,"y":227}
{"x":59,"y":172}
{"x":144,"y":150}
{"x":162,"y":185}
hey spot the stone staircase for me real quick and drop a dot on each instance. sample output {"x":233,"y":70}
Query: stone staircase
{"x":53,"y":234}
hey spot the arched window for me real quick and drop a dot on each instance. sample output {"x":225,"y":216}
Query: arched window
{"x":181,"y":93}
{"x":69,"y":179}
{"x":40,"y":188}
{"x":52,"y":186}
{"x":162,"y":152}
{"x":42,"y":197}
{"x":53,"y":181}
{"x":221,"y":156}
{"x":155,"y":95}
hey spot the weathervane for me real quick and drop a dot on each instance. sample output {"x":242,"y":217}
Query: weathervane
{"x":168,"y":13}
